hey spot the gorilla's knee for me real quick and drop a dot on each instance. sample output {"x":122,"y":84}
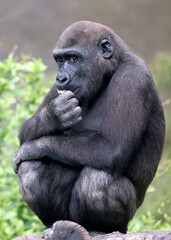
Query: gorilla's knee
{"x":106,"y":200}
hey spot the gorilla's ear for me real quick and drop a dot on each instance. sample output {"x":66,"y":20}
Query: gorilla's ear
{"x":106,"y":49}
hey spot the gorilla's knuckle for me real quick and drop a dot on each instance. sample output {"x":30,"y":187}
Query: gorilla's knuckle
{"x":61,"y":99}
{"x":74,"y":102}
{"x":78,"y":110}
{"x":68,"y":94}
{"x":79,"y":119}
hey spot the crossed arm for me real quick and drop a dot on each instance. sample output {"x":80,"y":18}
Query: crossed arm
{"x":110,"y":148}
{"x":74,"y":151}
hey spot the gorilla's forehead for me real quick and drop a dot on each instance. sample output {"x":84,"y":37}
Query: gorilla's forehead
{"x":83,"y":32}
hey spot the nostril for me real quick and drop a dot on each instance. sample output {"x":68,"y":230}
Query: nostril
{"x":62,"y":77}
{"x":63,"y":80}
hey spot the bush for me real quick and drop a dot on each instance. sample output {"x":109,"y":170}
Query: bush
{"x":21,"y":91}
{"x":155,"y":212}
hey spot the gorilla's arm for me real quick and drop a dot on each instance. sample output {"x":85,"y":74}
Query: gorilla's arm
{"x":55,"y":114}
{"x":111,"y":148}
{"x":41,"y":123}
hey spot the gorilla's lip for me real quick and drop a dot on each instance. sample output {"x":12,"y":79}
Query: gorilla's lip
{"x":72,"y":88}
{"x":67,"y":86}
{"x":61,"y":88}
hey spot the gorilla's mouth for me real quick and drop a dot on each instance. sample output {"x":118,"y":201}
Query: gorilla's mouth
{"x":72,"y":88}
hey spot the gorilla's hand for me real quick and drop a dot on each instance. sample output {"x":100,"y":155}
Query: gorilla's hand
{"x":33,"y":150}
{"x":66,"y":108}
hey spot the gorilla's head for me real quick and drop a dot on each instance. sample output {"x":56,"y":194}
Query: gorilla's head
{"x":87,"y":55}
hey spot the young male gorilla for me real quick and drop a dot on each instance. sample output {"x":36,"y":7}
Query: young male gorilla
{"x":89,"y":154}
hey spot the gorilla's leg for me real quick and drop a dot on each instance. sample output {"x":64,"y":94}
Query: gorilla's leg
{"x":35,"y":188}
{"x":102,"y":202}
{"x":46,"y":187}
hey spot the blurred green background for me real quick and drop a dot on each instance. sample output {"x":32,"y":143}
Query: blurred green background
{"x":34,"y":27}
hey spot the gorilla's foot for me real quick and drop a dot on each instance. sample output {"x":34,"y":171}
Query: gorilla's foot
{"x":66,"y":230}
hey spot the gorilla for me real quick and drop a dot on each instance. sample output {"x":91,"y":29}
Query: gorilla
{"x":89,"y":153}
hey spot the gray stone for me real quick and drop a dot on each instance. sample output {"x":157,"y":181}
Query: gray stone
{"x":66,"y":230}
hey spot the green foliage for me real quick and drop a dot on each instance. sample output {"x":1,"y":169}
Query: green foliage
{"x":161,"y":69}
{"x":151,"y":220}
{"x":22,"y":89}
{"x":155,"y":213}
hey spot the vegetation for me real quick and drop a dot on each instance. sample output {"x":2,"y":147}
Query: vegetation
{"x":22,"y":88}
{"x":156,"y":210}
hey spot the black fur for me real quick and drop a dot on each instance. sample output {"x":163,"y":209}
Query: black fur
{"x":92,"y":154}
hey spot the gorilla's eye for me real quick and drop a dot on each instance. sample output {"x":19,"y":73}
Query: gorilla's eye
{"x":59,"y":60}
{"x":73,"y":59}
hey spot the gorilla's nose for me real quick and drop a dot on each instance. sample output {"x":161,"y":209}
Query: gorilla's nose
{"x":62,"y":77}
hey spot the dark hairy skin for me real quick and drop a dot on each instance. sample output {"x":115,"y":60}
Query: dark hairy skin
{"x":89,"y":154}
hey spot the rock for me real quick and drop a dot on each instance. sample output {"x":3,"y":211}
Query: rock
{"x":148,"y":235}
{"x":66,"y":230}
{"x":161,"y":235}
{"x":62,"y":230}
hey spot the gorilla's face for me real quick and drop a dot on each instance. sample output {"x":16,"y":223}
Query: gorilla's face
{"x":69,"y":63}
{"x":82,"y":66}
